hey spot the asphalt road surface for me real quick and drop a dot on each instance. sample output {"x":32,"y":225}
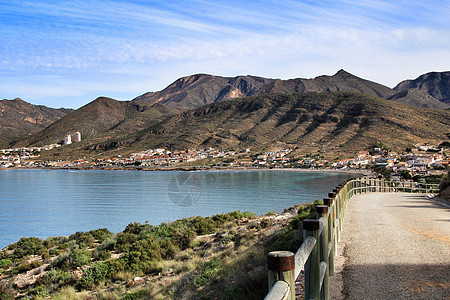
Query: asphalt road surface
{"x":396,"y":246}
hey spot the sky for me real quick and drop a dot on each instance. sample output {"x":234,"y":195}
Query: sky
{"x":67,"y":53}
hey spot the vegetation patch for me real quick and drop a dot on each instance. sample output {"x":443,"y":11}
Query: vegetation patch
{"x":218,"y":257}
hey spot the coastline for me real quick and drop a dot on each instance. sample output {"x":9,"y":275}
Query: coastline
{"x":199,"y":168}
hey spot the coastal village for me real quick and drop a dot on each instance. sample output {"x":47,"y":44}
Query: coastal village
{"x":420,"y":160}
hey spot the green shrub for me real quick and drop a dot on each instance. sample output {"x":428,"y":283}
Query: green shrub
{"x":5,"y":263}
{"x":102,"y":255}
{"x":183,"y":239}
{"x":54,"y":241}
{"x":61,"y":262}
{"x":228,"y":238}
{"x":82,"y":238}
{"x":39,"y":291}
{"x":136,"y":228}
{"x":58,"y":277}
{"x":168,"y":249}
{"x":21,"y":268}
{"x":28,"y":246}
{"x":79,"y":257}
{"x":94,"y":275}
{"x":141,"y":294}
{"x":203,"y":225}
{"x":101,"y":234}
{"x":124,"y":241}
{"x":207,"y":271}
{"x":290,"y":239}
{"x":115,"y":266}
{"x":109,"y":243}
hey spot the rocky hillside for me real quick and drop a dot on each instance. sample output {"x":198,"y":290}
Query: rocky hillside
{"x":342,"y":122}
{"x":19,"y":118}
{"x":201,"y":89}
{"x":436,"y":84}
{"x":101,"y":120}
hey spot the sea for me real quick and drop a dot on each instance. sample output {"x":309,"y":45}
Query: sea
{"x":43,"y":203}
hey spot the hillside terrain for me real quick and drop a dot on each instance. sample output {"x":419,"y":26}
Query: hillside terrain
{"x":436,"y":84}
{"x":200,"y":89}
{"x":343,"y":113}
{"x":193,"y":258}
{"x":343,"y":122}
{"x":336,"y":123}
{"x":101,"y":120}
{"x":19,"y":118}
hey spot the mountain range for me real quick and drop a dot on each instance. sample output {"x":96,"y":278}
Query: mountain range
{"x":341,"y":112}
{"x":19,"y":119}
{"x":431,"y":90}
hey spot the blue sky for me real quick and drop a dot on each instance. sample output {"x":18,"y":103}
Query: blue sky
{"x":67,"y":53}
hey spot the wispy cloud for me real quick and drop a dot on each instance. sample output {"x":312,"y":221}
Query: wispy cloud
{"x":142,"y":46}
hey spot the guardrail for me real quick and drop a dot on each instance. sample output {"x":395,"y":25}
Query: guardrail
{"x":316,"y":254}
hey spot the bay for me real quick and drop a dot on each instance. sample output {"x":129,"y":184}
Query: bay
{"x":42,"y":203}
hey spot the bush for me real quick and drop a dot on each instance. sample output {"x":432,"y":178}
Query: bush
{"x":40,"y":291}
{"x":291,"y":239}
{"x":82,"y":238}
{"x":79,"y":257}
{"x":207,"y":271}
{"x":58,"y":277}
{"x":94,"y":275}
{"x":141,"y":294}
{"x":136,"y":228}
{"x":5,"y":263}
{"x":102,"y":255}
{"x":109,"y":243}
{"x":28,"y":246}
{"x":61,"y":262}
{"x":101,"y":234}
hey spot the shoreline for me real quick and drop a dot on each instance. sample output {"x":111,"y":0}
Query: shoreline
{"x":200,"y":168}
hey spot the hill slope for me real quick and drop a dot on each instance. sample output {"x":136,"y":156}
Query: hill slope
{"x":436,"y":84}
{"x":200,"y":89}
{"x":19,"y":118}
{"x":101,"y":120}
{"x":197,"y":90}
{"x":341,"y":121}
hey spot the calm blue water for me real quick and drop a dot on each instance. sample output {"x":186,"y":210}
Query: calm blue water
{"x":43,"y":203}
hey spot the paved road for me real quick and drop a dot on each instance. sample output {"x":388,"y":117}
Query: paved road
{"x":396,"y":246}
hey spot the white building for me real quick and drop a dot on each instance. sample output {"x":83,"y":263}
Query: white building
{"x":72,"y":138}
{"x":76,"y":137}
{"x":68,"y":139}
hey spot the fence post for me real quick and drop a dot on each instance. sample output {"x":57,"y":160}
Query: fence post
{"x":281,"y":266}
{"x":312,"y":265}
{"x":331,"y":239}
{"x":322,"y":212}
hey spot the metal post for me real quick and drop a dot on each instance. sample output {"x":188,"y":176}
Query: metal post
{"x":281,"y":265}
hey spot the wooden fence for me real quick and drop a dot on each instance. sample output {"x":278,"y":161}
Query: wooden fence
{"x":316,"y":255}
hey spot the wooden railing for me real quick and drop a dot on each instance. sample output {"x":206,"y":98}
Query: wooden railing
{"x":316,"y":254}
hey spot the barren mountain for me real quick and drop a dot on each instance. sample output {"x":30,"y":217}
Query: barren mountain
{"x":436,"y":84}
{"x":200,"y":89}
{"x":420,"y":98}
{"x":309,"y":121}
{"x":19,"y":118}
{"x":103,"y":119}
{"x":197,"y":90}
